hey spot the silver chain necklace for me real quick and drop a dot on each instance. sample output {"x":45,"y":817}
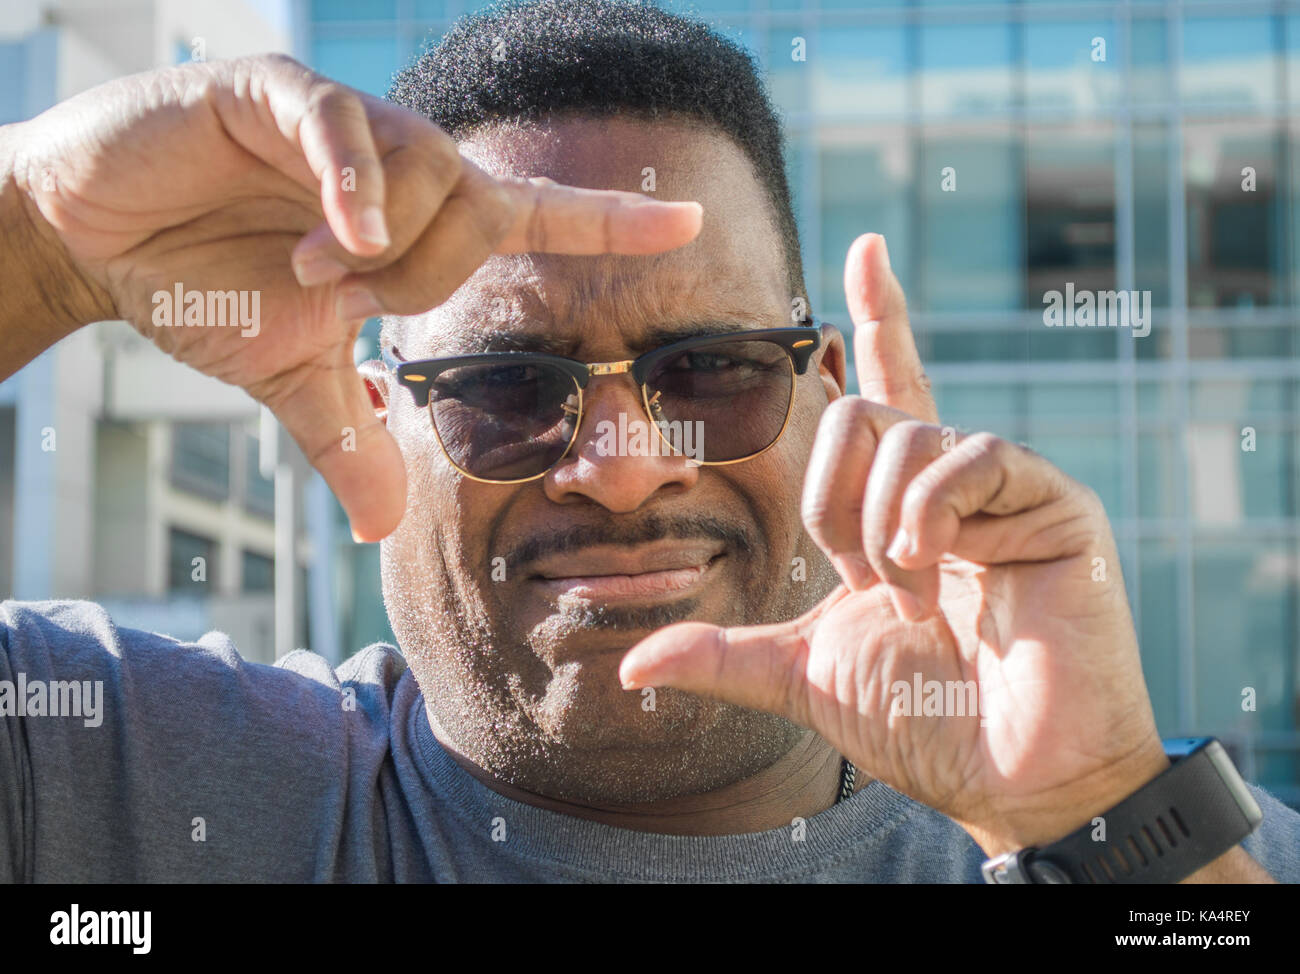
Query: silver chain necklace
{"x":848,"y":776}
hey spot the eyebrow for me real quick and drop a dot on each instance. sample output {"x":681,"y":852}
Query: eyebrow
{"x":476,"y":342}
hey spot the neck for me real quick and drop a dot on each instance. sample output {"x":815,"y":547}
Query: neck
{"x":802,"y":783}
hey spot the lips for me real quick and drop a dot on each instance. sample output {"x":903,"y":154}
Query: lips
{"x":646,"y":572}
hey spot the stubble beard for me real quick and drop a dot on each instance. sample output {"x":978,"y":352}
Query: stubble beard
{"x":568,"y":731}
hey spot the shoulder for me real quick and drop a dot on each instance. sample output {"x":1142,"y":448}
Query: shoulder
{"x":368,"y":679}
{"x":205,"y":681}
{"x":272,"y":758}
{"x":73,"y":634}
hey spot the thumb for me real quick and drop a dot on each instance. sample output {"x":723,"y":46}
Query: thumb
{"x":332,"y":420}
{"x":760,"y":667}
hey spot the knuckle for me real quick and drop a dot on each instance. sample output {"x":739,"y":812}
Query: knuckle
{"x":402,"y":296}
{"x":816,"y":515}
{"x":926,"y":494}
{"x":441,"y":154}
{"x":497,"y":211}
{"x":535,"y":233}
{"x":331,"y":98}
{"x":907,"y":435}
{"x":983,"y":444}
{"x":791,"y":678}
{"x":279,"y":61}
{"x":847,"y":412}
{"x":831,"y":516}
{"x":1091,"y":499}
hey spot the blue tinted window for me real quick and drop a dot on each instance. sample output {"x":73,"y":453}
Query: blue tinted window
{"x":971,"y":237}
{"x":1229,"y":60}
{"x":364,"y":63}
{"x":866,"y":186}
{"x":966,"y":68}
{"x":12,"y":65}
{"x":858,"y":70}
{"x":1149,"y":60}
{"x":326,"y":10}
{"x":1072,"y":66}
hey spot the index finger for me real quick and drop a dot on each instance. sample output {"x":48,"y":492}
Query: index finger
{"x":884,"y":350}
{"x":553,"y":218}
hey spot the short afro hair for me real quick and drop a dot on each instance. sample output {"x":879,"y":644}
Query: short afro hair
{"x":601,"y":58}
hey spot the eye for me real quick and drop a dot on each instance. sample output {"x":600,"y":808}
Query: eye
{"x":475,"y":381}
{"x":709,"y":361}
{"x":510,"y":375}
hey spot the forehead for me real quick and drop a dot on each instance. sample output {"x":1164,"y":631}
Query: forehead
{"x":732,"y":276}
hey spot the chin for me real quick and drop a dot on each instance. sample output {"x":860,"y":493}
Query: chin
{"x":689,"y":745}
{"x":585,"y":708}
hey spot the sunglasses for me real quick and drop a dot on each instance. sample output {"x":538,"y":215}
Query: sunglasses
{"x":509,"y":417}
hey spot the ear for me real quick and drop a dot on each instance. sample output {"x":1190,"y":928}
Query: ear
{"x":831,"y":364}
{"x":378,"y":382}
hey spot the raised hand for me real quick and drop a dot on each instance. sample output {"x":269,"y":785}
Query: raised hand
{"x":969,"y":561}
{"x":259,"y":176}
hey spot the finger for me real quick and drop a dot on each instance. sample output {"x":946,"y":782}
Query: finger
{"x":329,"y":415}
{"x":759,"y":667}
{"x":335,"y":136}
{"x":904,"y":451}
{"x":419,"y":174}
{"x":558,"y":219}
{"x":835,"y":486}
{"x":884,"y":350}
{"x":461,"y":237}
{"x":990,"y":501}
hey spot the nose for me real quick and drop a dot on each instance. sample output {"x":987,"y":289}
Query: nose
{"x":619,"y":460}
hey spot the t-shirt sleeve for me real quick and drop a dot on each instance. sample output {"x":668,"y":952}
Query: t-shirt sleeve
{"x":157,"y":760}
{"x":1275,"y":845}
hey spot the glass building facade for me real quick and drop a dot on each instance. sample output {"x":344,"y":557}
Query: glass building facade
{"x":1008,"y":150}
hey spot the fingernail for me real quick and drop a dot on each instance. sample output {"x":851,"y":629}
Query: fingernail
{"x":854,"y":569}
{"x":318,"y":270}
{"x":356,"y":537}
{"x":884,"y":250}
{"x":372,"y":228}
{"x":903,"y":546}
{"x":907,"y":605}
{"x":357,"y":302}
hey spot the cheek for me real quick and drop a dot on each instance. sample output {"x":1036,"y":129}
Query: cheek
{"x":790,"y":455}
{"x":775,"y":482}
{"x":772,"y":486}
{"x":447,"y":515}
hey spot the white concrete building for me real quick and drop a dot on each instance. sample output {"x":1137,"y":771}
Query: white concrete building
{"x":126,"y":477}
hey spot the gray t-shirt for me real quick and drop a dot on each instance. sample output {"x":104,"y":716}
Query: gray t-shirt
{"x":196,"y":765}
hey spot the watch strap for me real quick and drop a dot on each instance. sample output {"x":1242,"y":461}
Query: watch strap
{"x":1182,"y":820}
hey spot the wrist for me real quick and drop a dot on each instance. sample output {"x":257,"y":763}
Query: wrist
{"x":47,"y":297}
{"x":1046,"y":817}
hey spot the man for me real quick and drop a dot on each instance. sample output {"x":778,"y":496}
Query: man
{"x":814,"y":553}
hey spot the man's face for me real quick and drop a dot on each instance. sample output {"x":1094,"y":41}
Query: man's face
{"x":521,"y":671}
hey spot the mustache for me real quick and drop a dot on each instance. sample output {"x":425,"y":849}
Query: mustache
{"x":654,"y":527}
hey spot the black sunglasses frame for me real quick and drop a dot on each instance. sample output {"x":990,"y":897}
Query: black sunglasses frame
{"x":798,"y":341}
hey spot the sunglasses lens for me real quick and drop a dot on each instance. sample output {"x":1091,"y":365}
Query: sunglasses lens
{"x":504,"y":421}
{"x":735,"y":395}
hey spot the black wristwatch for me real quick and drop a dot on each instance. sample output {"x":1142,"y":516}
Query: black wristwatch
{"x":1184,"y":819}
